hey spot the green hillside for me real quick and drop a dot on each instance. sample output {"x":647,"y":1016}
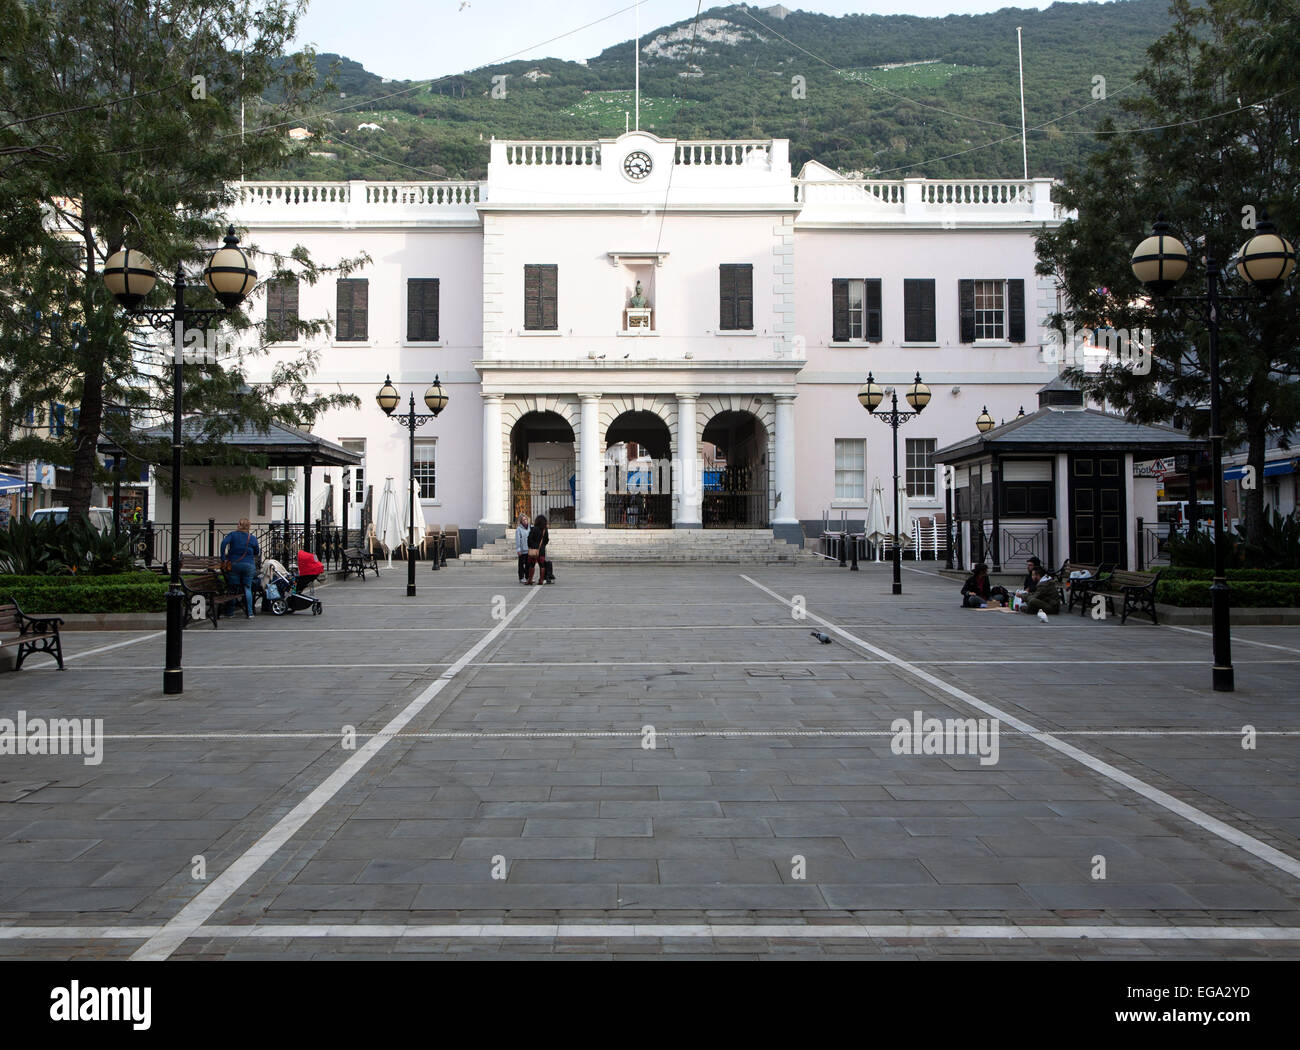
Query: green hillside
{"x":891,"y":95}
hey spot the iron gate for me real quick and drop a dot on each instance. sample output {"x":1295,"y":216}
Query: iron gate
{"x":550,"y":489}
{"x":639,"y":495}
{"x":734,"y":497}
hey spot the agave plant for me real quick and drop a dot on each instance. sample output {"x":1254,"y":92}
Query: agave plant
{"x":87,"y":549}
{"x":32,"y":548}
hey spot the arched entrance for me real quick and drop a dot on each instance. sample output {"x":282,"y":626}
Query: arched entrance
{"x":543,"y":477}
{"x":734,"y":478}
{"x":638,"y":473}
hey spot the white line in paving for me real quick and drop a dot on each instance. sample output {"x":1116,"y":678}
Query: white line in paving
{"x":538,"y":734}
{"x":186,"y":921}
{"x":1201,"y":819}
{"x":1238,"y":638}
{"x":115,"y":645}
{"x":623,"y":930}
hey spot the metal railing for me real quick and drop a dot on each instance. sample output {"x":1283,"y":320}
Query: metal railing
{"x":151,"y":541}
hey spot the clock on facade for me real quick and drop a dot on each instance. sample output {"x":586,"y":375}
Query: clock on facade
{"x":637,"y":165}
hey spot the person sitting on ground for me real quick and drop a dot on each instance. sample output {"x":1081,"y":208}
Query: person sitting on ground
{"x":1044,"y":597}
{"x":1033,"y":563}
{"x":978,"y":591}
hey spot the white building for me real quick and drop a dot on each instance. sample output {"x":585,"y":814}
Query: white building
{"x":765,"y":301}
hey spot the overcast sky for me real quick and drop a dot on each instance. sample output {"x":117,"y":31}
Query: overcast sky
{"x":422,"y":39}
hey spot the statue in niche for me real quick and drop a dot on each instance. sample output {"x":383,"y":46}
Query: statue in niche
{"x":639,"y":301}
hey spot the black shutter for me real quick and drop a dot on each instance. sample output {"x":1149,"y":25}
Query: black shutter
{"x":1016,"y":311}
{"x":422,"y":310}
{"x":343,"y":309}
{"x":541,"y":300}
{"x":871,"y":309}
{"x":745,"y":297}
{"x":966,"y":307}
{"x":550,"y":297}
{"x":839,"y":310}
{"x":281,"y":309}
{"x":361,"y":310}
{"x":726,"y":297}
{"x":918,"y":311}
{"x":532,"y":297}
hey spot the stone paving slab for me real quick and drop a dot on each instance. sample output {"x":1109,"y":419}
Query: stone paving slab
{"x":704,"y":826}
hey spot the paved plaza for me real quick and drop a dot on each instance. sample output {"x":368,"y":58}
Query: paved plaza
{"x":662,"y":760}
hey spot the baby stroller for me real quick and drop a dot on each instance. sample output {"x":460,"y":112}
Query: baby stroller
{"x":288,"y":594}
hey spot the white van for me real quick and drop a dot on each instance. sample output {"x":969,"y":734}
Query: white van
{"x":100,"y":517}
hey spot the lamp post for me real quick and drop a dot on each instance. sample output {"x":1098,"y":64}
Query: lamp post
{"x":918,"y":396}
{"x":388,"y":399}
{"x":130,"y":277}
{"x":1263,"y":262}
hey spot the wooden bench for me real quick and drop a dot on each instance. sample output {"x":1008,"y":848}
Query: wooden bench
{"x":1098,"y":582}
{"x":29,"y":634}
{"x":1139,"y":590}
{"x":358,"y":560}
{"x":206,"y":581}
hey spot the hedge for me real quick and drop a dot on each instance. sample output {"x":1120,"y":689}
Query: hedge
{"x":1245,"y":595}
{"x":1262,"y":575}
{"x":139,"y":592}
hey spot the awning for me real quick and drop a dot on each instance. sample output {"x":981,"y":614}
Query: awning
{"x":9,"y":483}
{"x":1271,"y":470}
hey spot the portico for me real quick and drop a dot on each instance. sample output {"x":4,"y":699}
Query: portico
{"x":667,"y":410}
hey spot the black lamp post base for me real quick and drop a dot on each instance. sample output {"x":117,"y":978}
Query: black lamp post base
{"x":410,"y":590}
{"x":173,"y":681}
{"x":1223,"y":680}
{"x":897,"y":588}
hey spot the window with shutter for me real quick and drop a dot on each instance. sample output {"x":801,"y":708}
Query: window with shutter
{"x":966,"y":309}
{"x":422,"y":310}
{"x":736,"y":297}
{"x":541,"y":297}
{"x":281,"y":310}
{"x":353,"y":301}
{"x":918,"y":311}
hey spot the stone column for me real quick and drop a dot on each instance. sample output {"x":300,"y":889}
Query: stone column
{"x":591,"y":475}
{"x":785,"y":522}
{"x":493,"y":524}
{"x":687,"y":482}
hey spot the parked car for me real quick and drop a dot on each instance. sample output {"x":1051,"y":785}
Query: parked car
{"x":100,"y":517}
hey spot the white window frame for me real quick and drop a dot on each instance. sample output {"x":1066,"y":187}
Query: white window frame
{"x":909,"y":468}
{"x":359,"y":471}
{"x":426,"y":445}
{"x":845,"y":467}
{"x":990,"y":320}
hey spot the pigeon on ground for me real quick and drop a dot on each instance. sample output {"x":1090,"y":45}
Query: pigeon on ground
{"x":1042,"y":615}
{"x":825,"y":639}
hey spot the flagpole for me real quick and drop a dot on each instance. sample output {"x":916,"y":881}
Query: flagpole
{"x":637,"y":101}
{"x":1024,"y":143}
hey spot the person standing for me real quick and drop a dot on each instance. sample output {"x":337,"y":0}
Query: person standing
{"x":521,"y":546}
{"x":241,"y":549}
{"x":538,"y":537}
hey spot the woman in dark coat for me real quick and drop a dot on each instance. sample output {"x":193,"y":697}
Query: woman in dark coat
{"x":979,"y":593}
{"x":538,"y":537}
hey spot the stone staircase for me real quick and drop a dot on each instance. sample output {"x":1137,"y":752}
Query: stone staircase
{"x":641,"y":546}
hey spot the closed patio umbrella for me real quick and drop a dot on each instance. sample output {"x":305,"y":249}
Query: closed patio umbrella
{"x":413,"y":495}
{"x":875,"y":528}
{"x":388,"y":523}
{"x":904,"y":515}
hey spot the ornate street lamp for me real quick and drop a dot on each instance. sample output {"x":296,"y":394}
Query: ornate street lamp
{"x":918,"y":396}
{"x":985,"y":422}
{"x":1264,"y":262}
{"x":436,"y":400}
{"x":130,"y":277}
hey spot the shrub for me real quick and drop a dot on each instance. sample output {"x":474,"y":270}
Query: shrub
{"x":139,"y":592}
{"x":1245,"y":595}
{"x":57,"y":548}
{"x":1278,"y":547}
{"x":1262,"y":575}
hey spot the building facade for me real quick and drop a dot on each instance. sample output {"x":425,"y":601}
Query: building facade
{"x":638,"y":332}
